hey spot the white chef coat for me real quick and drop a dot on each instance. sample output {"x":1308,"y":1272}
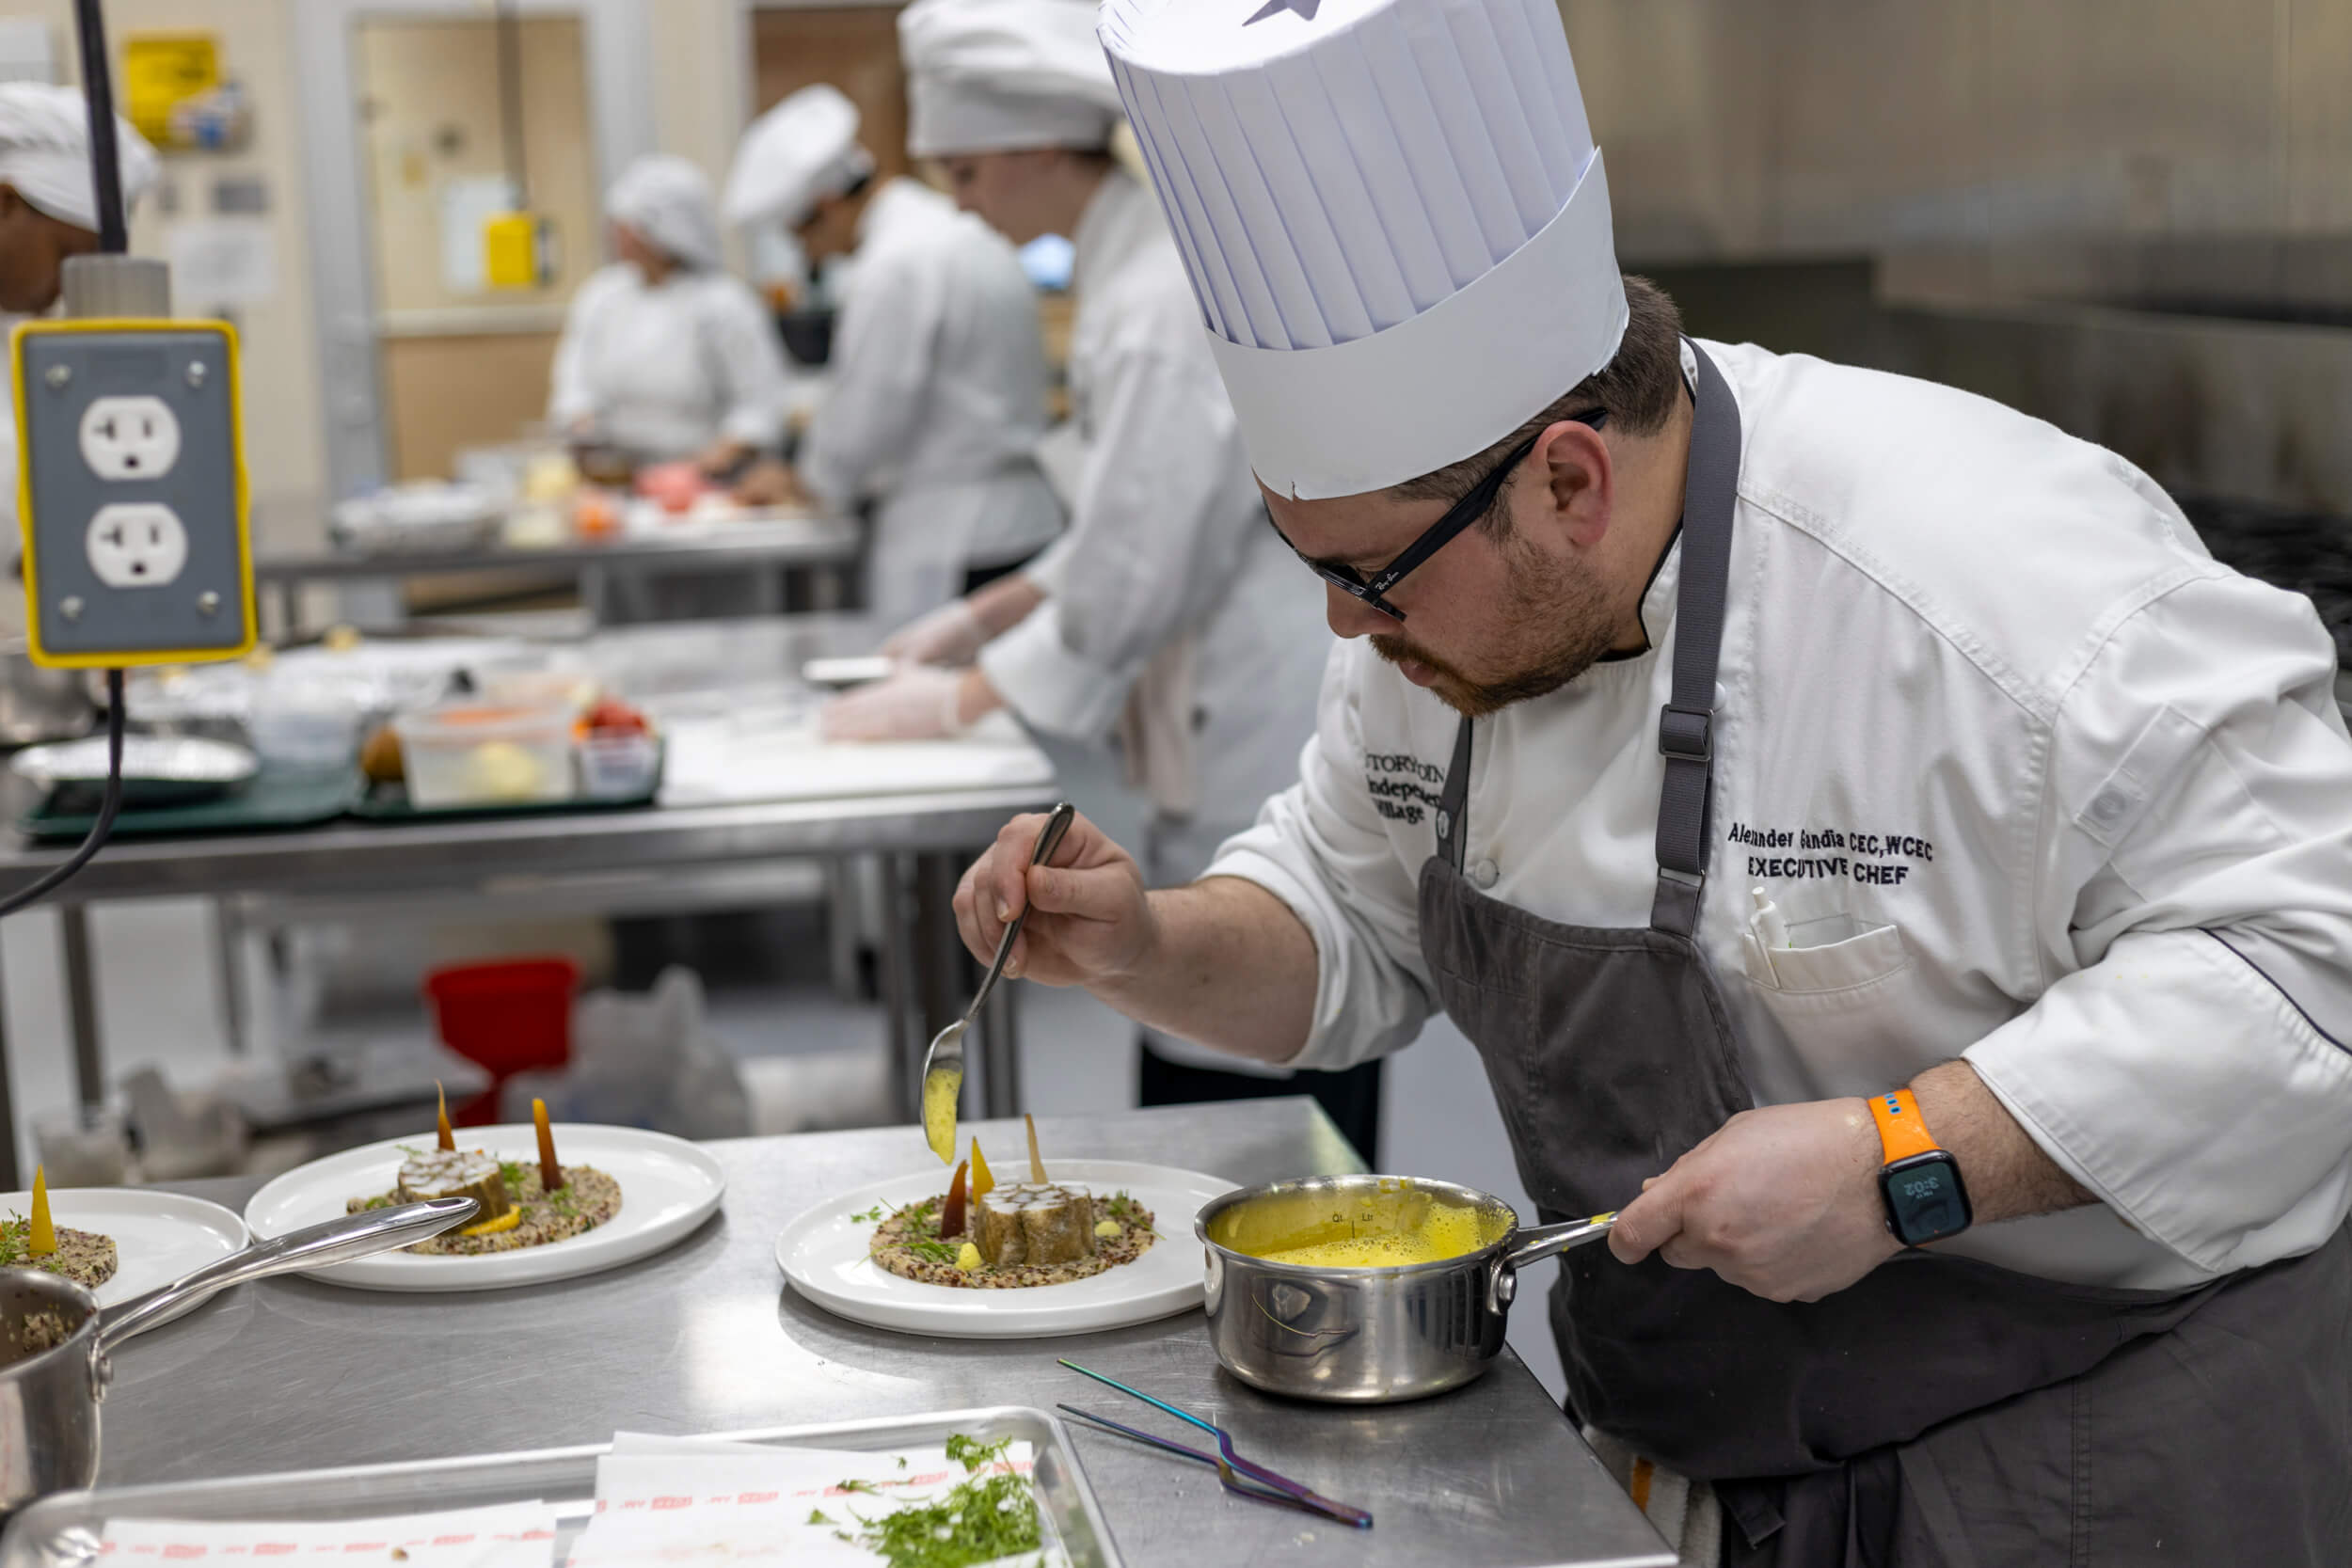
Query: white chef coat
{"x":667,"y":369}
{"x":1169,"y":541}
{"x":2031,"y":777}
{"x":937,"y":402}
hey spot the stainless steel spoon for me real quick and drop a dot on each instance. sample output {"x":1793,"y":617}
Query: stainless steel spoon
{"x":943,"y":1067}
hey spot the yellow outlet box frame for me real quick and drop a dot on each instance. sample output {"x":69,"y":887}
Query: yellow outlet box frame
{"x":233,"y":356}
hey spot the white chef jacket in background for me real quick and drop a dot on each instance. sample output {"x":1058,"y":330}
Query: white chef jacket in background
{"x":2031,"y":777}
{"x":936,"y":404}
{"x":1168,"y":553}
{"x":666,"y":369}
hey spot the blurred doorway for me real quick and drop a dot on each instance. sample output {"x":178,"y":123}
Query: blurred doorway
{"x":415,"y":132}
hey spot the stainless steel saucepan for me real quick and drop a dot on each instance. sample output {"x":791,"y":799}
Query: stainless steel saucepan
{"x":49,"y":1396}
{"x":1367,"y":1334}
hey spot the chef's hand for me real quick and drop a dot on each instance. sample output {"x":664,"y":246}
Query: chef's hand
{"x":952,"y":634}
{"x":1088,"y":919}
{"x":769,"y":481}
{"x":1782,"y":1202}
{"x":917,"y":703}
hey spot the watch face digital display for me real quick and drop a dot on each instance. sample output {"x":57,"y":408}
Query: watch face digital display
{"x":1923,"y":1198}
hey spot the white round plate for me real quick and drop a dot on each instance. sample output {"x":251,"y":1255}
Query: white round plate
{"x":668,"y":1187}
{"x":158,"y":1236}
{"x":823,"y":1255}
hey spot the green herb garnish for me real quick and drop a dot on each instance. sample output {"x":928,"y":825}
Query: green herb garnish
{"x":15,"y":1237}
{"x":513,"y":1171}
{"x":817,"y":1517}
{"x":972,"y":1454}
{"x":980,"y":1521}
{"x":870,"y":1216}
{"x":938,"y":1252}
{"x":865,"y":1486}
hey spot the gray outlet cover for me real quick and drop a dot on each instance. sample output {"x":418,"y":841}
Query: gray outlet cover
{"x":75,"y":615}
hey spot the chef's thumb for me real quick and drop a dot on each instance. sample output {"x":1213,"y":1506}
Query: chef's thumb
{"x":1648,"y":1223}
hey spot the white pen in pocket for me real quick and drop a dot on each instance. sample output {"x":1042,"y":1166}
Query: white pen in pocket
{"x":1770,"y":929}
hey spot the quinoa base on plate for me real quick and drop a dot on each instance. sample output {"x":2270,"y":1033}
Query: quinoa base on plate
{"x":84,"y":1256}
{"x":587,"y":1199}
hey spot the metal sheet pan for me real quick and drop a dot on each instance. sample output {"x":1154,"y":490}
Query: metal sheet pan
{"x":63,"y":1530}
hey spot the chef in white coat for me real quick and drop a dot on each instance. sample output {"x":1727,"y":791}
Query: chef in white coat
{"x":1161,"y":617}
{"x":1869,"y":841}
{"x":936,"y":392}
{"x":665,"y":357}
{"x":48,"y":211}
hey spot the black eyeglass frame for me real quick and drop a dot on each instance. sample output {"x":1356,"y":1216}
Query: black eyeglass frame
{"x":1374,"y":590}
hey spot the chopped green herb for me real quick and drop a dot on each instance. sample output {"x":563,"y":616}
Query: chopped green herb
{"x":902,"y":1462}
{"x":408,"y":1149}
{"x":865,"y":1486}
{"x":870,"y":1216}
{"x":937,"y":1252}
{"x":15,"y":1236}
{"x":817,"y":1517}
{"x":513,"y":1171}
{"x":1127,"y":1211}
{"x":980,"y":1521}
{"x":972,"y":1454}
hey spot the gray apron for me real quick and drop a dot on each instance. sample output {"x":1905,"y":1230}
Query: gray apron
{"x":1941,"y":1410}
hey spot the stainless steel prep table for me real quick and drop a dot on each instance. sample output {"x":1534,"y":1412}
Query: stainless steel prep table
{"x":932,"y":830}
{"x":293,"y":1375}
{"x":826,"y":547}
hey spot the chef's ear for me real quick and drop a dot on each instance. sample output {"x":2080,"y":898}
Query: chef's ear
{"x":1574,"y":461}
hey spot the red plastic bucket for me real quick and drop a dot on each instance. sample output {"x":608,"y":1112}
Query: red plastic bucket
{"x":507,"y":1016}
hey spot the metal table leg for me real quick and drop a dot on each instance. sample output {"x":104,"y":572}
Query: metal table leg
{"x":228,"y":947}
{"x":8,"y":1105}
{"x":895,"y":979}
{"x":81,"y":994}
{"x":1000,"y":1053}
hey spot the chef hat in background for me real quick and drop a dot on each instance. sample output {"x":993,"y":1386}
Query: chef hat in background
{"x":1002,"y":75}
{"x":668,"y":201}
{"x":1393,"y":216}
{"x":44,"y":152}
{"x":798,"y":152}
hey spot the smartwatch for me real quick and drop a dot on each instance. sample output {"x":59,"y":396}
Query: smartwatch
{"x":1924,"y":1198}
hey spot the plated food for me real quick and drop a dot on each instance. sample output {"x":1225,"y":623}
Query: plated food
{"x":523,"y":1205}
{"x":34,"y":1242}
{"x":1020,"y":1236}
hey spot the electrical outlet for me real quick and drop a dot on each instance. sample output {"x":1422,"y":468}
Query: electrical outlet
{"x":125,"y":438}
{"x":131,"y":493}
{"x":137,"y":545}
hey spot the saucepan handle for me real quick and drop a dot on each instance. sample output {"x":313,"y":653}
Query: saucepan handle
{"x":317,"y":1246}
{"x":1535,"y":1246}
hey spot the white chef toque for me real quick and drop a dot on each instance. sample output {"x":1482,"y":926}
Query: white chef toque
{"x":1393,"y":216}
{"x":44,"y":152}
{"x":668,"y":202}
{"x":1004,"y":75}
{"x":798,"y":152}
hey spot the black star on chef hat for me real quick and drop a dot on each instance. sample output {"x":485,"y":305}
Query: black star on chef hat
{"x":1306,"y":8}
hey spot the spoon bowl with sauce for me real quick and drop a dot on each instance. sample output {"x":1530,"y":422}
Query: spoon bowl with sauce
{"x":1367,"y":1288}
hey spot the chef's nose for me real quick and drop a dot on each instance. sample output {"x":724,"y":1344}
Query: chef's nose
{"x":1350,"y":616}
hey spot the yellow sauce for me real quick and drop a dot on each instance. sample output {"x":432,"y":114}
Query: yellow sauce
{"x":507,"y":1221}
{"x":940,"y":1090}
{"x":968,"y":1258}
{"x":1442,"y":1233}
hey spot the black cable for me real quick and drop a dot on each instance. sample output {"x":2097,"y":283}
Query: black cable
{"x":114,"y":234}
{"x":101,"y":828}
{"x":510,"y":102}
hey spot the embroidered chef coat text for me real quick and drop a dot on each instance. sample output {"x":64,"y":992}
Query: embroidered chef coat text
{"x":1402,"y":788}
{"x":1874,"y":860}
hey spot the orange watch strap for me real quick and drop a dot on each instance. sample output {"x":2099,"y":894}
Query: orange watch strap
{"x":1901,"y":1131}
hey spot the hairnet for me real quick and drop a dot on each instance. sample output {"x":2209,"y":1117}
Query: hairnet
{"x":668,"y":202}
{"x":797,"y":154}
{"x":44,"y":152}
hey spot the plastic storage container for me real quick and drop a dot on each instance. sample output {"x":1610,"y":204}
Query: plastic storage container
{"x":485,"y":754}
{"x":616,"y":766}
{"x":506,"y":1018}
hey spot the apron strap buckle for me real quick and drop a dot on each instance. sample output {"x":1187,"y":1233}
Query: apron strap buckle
{"x":1676,"y":906}
{"x":1687,"y":733}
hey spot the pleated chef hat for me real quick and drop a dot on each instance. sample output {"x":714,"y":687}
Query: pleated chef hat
{"x":44,"y":152}
{"x":1003,"y":75}
{"x":1393,"y":216}
{"x":799,"y":151}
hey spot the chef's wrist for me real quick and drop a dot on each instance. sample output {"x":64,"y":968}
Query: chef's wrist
{"x":972,"y":699}
{"x":1004,"y":604}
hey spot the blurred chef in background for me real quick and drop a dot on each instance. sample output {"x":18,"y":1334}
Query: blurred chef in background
{"x":48,"y":211}
{"x":1164,"y":614}
{"x":665,"y":357}
{"x":937,"y":389}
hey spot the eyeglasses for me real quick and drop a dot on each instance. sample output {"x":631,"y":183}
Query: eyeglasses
{"x":1374,"y":590}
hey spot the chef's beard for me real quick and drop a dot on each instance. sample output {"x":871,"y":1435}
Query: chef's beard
{"x":1555,"y":625}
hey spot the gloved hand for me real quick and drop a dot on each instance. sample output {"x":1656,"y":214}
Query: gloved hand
{"x":921,"y":702}
{"x":952,"y":634}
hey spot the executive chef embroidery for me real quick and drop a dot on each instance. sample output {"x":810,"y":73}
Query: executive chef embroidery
{"x":1874,"y":860}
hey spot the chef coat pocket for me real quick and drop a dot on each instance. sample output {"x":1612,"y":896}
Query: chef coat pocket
{"x":1828,"y":956}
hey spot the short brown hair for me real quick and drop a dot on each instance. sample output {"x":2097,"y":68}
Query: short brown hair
{"x":1637,"y":389}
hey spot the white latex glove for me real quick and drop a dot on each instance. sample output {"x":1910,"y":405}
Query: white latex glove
{"x":920,"y":703}
{"x":952,"y":634}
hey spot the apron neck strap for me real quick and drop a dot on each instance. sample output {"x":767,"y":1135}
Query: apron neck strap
{"x":1452,"y":830}
{"x":1686,"y":726}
